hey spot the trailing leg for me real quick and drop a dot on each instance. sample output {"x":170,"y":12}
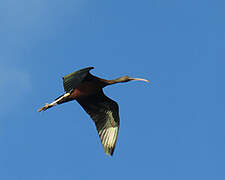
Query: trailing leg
{"x":59,"y":100}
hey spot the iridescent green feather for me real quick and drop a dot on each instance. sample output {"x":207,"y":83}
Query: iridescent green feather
{"x":72,"y":80}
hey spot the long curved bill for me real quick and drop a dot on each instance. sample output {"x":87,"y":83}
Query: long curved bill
{"x":139,"y":79}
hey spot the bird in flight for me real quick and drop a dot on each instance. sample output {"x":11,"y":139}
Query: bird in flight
{"x":86,"y":89}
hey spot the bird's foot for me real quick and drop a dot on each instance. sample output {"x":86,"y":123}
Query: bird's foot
{"x":44,"y":108}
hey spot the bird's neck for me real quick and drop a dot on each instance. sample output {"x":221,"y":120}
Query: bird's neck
{"x":112,"y":81}
{"x":105,"y":82}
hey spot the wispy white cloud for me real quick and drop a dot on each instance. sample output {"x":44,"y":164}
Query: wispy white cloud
{"x":26,"y":22}
{"x":13,"y":77}
{"x":26,"y":15}
{"x":14,"y":83}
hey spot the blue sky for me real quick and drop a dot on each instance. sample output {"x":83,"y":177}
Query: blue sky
{"x":172,"y":128}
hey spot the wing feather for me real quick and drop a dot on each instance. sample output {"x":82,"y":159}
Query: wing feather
{"x":105,"y":113}
{"x":72,"y":80}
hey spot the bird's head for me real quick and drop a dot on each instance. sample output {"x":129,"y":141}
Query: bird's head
{"x":127,"y":79}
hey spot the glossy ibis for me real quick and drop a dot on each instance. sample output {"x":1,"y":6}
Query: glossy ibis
{"x":86,"y":89}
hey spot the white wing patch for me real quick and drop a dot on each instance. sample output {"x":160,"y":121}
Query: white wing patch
{"x":108,"y":137}
{"x":105,"y":113}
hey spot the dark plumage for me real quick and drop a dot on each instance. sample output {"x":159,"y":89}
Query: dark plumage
{"x":87,"y":90}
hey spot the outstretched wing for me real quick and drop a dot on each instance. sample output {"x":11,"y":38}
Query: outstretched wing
{"x":105,"y":113}
{"x":72,"y":80}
